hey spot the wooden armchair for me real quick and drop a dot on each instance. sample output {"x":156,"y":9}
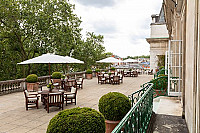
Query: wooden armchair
{"x":70,"y":96}
{"x":56,"y":83}
{"x":69,"y":84}
{"x":121,"y":76}
{"x":115,"y":80}
{"x":150,"y":72}
{"x":54,"y":99}
{"x":135,"y":73}
{"x":79,"y":83}
{"x":31,"y":99}
{"x":101,"y":79}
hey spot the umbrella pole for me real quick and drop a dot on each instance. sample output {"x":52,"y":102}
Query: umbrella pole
{"x":49,"y":71}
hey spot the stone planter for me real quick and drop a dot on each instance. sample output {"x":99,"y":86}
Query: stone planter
{"x":88,"y":76}
{"x":110,"y":125}
{"x":32,"y":86}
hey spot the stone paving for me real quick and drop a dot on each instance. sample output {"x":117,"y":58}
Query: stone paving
{"x":15,"y":119}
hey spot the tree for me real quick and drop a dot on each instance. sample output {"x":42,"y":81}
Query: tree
{"x":30,"y":28}
{"x":90,"y":50}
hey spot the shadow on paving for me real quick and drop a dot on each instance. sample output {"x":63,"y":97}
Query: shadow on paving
{"x":169,"y":124}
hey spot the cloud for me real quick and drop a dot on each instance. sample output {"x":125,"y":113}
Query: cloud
{"x":97,"y":3}
{"x":124,"y":24}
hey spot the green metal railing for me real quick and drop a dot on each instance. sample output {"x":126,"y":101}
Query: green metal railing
{"x":138,"y":118}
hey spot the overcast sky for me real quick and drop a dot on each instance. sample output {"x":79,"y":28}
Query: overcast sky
{"x":124,"y":23}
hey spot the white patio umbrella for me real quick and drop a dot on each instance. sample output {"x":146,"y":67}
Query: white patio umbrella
{"x":130,"y":61}
{"x":109,"y":60}
{"x":73,"y":60}
{"x":50,"y":59}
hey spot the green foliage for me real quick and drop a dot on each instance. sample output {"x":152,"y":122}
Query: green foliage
{"x":31,"y":28}
{"x":112,"y":68}
{"x":88,"y":71}
{"x":106,"y":70}
{"x":136,"y":57}
{"x":56,"y":75}
{"x":161,"y":75}
{"x":63,"y":76}
{"x":97,"y":70}
{"x":161,"y":67}
{"x":114,"y":106}
{"x":77,"y":120}
{"x":90,"y":50}
{"x":160,"y":83}
{"x":32,"y":78}
{"x":50,"y":86}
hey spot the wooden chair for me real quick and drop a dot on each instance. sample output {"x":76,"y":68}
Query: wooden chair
{"x":101,"y":79}
{"x":54,"y":99}
{"x":135,"y":73}
{"x":79,"y":83}
{"x":121,"y":76}
{"x":31,"y":99}
{"x":69,"y":84}
{"x":70,"y":96}
{"x":115,"y":80}
{"x":150,"y":72}
{"x":56,"y":83}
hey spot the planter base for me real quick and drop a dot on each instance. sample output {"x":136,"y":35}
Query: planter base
{"x":32,"y":86}
{"x":110,"y":125}
{"x":88,"y":76}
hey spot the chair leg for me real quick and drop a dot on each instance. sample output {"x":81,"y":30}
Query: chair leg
{"x":75,"y":101}
{"x":37,"y":104}
{"x":47,"y":108}
{"x":26,"y":106}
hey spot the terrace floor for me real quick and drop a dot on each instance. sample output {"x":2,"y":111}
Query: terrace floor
{"x":15,"y":119}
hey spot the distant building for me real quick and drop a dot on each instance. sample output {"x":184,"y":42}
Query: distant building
{"x":158,"y":39}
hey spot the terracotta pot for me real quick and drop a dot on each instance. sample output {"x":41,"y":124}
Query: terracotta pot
{"x":56,"y":81}
{"x":160,"y":93}
{"x":110,"y":125}
{"x":32,"y":86}
{"x":88,"y":76}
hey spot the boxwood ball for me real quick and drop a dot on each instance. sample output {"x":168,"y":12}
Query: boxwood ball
{"x":77,"y":120}
{"x":114,"y":106}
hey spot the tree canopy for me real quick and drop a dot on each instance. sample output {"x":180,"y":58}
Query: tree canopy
{"x":29,"y":28}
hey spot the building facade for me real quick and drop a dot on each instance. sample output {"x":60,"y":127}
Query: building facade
{"x":158,"y":39}
{"x":183,"y":23}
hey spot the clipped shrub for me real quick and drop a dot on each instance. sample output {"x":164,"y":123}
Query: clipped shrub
{"x":161,"y":67}
{"x":114,"y":106}
{"x":97,"y":70}
{"x":32,"y":78}
{"x":77,"y":120}
{"x":88,"y":71}
{"x":56,"y":75}
{"x":112,"y":68}
{"x":159,"y":83}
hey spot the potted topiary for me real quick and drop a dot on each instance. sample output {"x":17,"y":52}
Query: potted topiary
{"x":160,"y":86}
{"x":112,"y":69}
{"x":114,"y":106}
{"x":56,"y":77}
{"x":88,"y":74}
{"x":77,"y":120}
{"x":97,"y":71}
{"x":32,"y":82}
